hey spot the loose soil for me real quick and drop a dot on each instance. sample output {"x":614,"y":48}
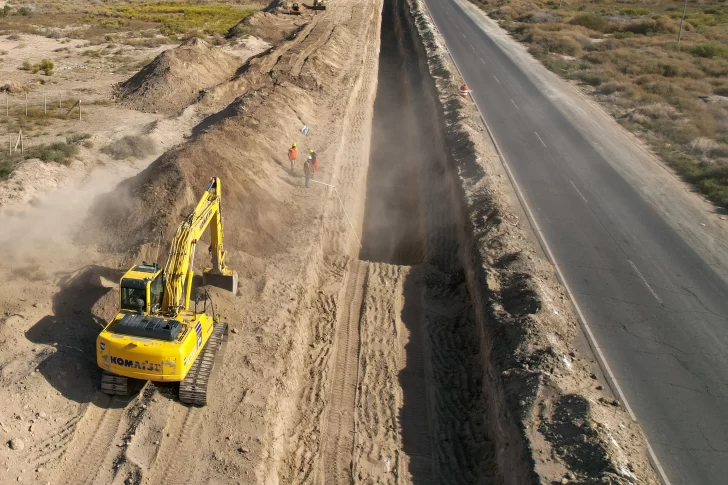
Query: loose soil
{"x":436,"y":351}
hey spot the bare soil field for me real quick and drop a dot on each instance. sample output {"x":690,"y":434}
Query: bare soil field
{"x":398,"y":329}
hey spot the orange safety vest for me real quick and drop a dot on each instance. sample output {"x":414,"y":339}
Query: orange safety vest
{"x":314,"y":160}
{"x":292,"y":153}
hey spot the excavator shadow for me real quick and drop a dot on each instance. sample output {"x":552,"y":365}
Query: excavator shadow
{"x":71,"y":330}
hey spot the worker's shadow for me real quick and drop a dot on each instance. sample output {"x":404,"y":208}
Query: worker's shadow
{"x":69,"y":365}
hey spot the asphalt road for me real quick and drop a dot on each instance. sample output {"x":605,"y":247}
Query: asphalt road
{"x":658,"y":311}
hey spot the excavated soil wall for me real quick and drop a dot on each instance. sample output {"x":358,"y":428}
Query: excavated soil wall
{"x":417,"y":212}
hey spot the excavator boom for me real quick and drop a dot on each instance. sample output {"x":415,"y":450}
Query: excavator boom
{"x":179,"y":268}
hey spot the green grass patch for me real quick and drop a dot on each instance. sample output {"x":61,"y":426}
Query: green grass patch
{"x":710,"y":50}
{"x":209,"y":18}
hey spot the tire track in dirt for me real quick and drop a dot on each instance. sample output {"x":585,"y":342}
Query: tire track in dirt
{"x":338,"y":439}
{"x":463,"y":454}
{"x":176,"y":446}
{"x":92,"y":439}
{"x":53,"y":447}
{"x":377,"y":448}
{"x":306,"y":438}
{"x":353,"y":151}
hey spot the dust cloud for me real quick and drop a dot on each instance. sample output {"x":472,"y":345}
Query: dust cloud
{"x":392,"y":221}
{"x":50,"y":231}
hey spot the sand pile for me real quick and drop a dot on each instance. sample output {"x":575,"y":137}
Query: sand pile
{"x":175,"y":77}
{"x":272,"y":25}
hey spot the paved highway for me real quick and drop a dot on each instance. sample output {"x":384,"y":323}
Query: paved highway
{"x":658,"y":311}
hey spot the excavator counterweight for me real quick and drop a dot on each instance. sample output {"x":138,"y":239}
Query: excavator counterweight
{"x":156,"y":336}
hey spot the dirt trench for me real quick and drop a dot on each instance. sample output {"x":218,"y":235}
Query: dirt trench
{"x":405,"y":402}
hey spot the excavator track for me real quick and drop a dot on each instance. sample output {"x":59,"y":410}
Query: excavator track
{"x":114,"y":384}
{"x":193,"y":388}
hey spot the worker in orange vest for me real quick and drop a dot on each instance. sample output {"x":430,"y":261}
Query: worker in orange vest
{"x":293,"y":155}
{"x":313,"y":158}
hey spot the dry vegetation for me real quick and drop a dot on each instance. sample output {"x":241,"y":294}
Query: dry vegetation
{"x":127,"y":22}
{"x":626,"y":54}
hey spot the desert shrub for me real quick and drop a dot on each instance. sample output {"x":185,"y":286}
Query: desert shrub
{"x":716,"y":67}
{"x":25,"y":66}
{"x":552,"y":42}
{"x":59,"y":152}
{"x":659,"y":111}
{"x":592,"y":77}
{"x":131,"y":146}
{"x":660,"y":25}
{"x":24,"y":11}
{"x":592,"y":21}
{"x":709,"y":50}
{"x":45,"y":66}
{"x":611,"y":87}
{"x":721,"y":90}
{"x":634,"y":12}
{"x":77,"y":137}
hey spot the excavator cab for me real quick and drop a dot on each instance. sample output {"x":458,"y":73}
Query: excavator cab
{"x":142,"y":289}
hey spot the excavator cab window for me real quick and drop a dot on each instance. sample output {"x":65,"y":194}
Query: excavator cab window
{"x":156,"y":293}
{"x":133,"y":290}
{"x":130,"y":296}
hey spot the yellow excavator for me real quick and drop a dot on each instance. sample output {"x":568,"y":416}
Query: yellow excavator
{"x":156,"y":336}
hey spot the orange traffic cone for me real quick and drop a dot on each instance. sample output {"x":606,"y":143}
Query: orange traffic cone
{"x":464,"y":91}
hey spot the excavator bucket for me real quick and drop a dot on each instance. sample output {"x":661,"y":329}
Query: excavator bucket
{"x":227,"y":280}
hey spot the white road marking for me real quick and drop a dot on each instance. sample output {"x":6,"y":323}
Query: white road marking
{"x":539,"y":139}
{"x":577,"y":191}
{"x":514,"y":104}
{"x":493,"y":74}
{"x":463,"y":35}
{"x":645,"y":281}
{"x":582,"y":319}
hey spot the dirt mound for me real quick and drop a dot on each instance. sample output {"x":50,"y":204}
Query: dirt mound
{"x":175,"y":77}
{"x":271,"y":25}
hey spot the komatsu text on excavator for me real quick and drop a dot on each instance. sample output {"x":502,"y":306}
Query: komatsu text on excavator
{"x":156,"y":336}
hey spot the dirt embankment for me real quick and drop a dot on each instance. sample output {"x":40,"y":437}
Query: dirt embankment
{"x":545,"y":415}
{"x":176,"y":77}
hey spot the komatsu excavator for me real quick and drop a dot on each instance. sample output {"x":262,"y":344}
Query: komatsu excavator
{"x":156,"y":336}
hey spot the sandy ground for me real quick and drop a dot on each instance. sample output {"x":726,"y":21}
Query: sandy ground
{"x":443,"y":355}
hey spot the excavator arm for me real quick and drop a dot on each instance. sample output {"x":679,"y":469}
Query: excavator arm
{"x":179,"y":269}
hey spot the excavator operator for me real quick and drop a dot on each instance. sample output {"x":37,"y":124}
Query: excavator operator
{"x":130,"y":298}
